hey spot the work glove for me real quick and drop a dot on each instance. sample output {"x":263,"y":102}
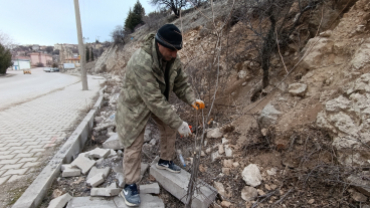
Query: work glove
{"x":184,"y":129}
{"x":198,"y":104}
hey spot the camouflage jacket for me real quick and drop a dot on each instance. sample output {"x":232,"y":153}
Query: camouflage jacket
{"x":143,"y":92}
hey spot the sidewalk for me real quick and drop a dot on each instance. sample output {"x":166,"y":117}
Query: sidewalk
{"x":26,"y":130}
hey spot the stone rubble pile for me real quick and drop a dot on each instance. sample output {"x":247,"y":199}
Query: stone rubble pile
{"x":95,"y":165}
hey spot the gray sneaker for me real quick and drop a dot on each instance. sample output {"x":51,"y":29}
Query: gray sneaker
{"x":168,"y":165}
{"x":131,"y":195}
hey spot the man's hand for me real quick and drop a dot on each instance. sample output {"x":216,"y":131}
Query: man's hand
{"x":184,"y":129}
{"x":198,"y":104}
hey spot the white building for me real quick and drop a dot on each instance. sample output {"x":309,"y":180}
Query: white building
{"x":21,"y":62}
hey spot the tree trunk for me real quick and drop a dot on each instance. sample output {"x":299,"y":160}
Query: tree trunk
{"x":267,"y":49}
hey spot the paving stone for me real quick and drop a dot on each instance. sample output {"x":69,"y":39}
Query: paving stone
{"x":16,"y":172}
{"x":95,"y":171}
{"x":96,"y":180}
{"x":31,"y":164}
{"x":60,"y":202}
{"x":4,"y":148}
{"x":147,"y":201}
{"x":31,"y":143}
{"x":17,"y":147}
{"x":71,"y":172}
{"x":14,"y":178}
{"x":149,"y":188}
{"x":38,"y":154}
{"x":6,"y":157}
{"x":12,"y":145}
{"x":4,"y":179}
{"x":37,"y":150}
{"x":5,"y":152}
{"x":84,"y":163}
{"x":91,"y":202}
{"x":177,"y":185}
{"x":15,"y":166}
{"x":21,"y":151}
{"x":27,"y":155}
{"x":31,"y":159}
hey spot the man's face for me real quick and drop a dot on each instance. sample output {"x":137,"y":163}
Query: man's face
{"x":167,"y":53}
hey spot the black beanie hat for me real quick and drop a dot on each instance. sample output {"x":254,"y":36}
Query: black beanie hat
{"x":169,"y":36}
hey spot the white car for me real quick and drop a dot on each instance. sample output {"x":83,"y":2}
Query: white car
{"x":48,"y":69}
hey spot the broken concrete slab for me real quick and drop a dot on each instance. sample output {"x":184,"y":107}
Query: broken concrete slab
{"x":112,"y":153}
{"x":149,"y":188}
{"x":121,"y":179}
{"x":94,"y":171}
{"x":84,"y":163}
{"x":64,"y":166}
{"x":91,"y":202}
{"x":99,"y":153}
{"x":144,"y":168}
{"x":111,"y":190}
{"x":114,"y":189}
{"x":71,"y":172}
{"x":177,"y":185}
{"x":147,"y":201}
{"x":96,"y":180}
{"x":60,"y":202}
{"x":113,"y":143}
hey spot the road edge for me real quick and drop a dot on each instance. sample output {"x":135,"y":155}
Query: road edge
{"x":34,"y":194}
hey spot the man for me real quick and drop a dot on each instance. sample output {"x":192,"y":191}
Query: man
{"x":153,"y":72}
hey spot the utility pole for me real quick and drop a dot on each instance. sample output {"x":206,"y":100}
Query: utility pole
{"x":80,"y":46}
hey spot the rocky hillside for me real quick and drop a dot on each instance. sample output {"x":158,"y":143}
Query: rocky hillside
{"x":300,"y":142}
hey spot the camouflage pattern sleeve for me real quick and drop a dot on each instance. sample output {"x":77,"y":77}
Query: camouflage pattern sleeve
{"x":149,"y":91}
{"x":182,"y":88}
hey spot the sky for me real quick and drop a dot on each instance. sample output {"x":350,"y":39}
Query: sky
{"x":47,"y":22}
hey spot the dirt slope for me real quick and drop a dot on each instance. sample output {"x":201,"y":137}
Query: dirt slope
{"x":303,"y":145}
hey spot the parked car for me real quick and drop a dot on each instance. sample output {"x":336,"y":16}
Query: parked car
{"x":47,"y":69}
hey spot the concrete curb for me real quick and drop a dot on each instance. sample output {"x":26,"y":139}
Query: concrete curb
{"x":34,"y":194}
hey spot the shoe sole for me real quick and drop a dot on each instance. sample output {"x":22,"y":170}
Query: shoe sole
{"x":128,"y":203}
{"x":165,"y":168}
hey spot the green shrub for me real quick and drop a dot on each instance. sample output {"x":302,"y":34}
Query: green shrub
{"x":5,"y":59}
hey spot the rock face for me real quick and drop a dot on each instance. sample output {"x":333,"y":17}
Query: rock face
{"x":318,"y":51}
{"x":113,"y":59}
{"x":348,"y":120}
{"x":361,"y":57}
{"x":252,"y":175}
{"x":268,"y":115}
{"x":298,"y":89}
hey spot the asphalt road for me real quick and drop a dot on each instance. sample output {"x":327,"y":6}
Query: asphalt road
{"x":16,"y":87}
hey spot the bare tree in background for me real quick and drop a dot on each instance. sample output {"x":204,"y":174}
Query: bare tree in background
{"x":118,"y":36}
{"x":174,"y":5}
{"x":154,"y":20}
{"x":6,"y":41}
